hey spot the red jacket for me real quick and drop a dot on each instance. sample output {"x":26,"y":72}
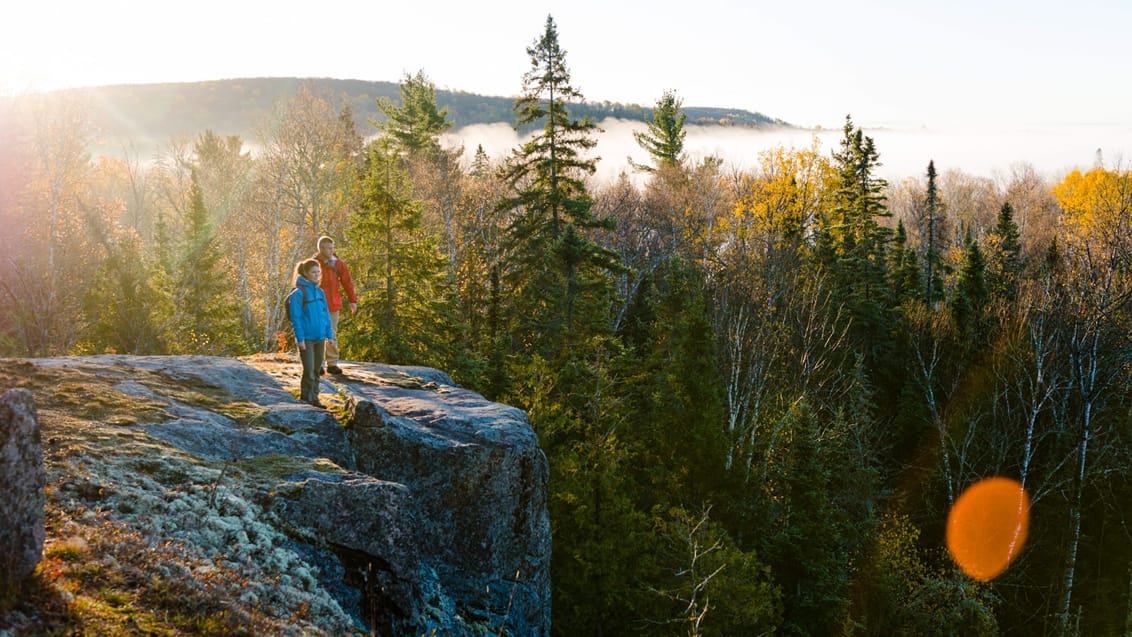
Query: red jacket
{"x":332,"y":277}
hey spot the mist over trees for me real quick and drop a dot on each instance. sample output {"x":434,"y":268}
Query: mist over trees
{"x":760,"y":390}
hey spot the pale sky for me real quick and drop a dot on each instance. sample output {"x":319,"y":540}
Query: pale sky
{"x":906,"y":64}
{"x":810,"y":62}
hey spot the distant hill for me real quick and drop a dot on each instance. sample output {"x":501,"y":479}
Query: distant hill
{"x":151,"y":114}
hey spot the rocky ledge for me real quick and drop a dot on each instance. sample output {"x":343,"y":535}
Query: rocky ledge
{"x":411,"y":506}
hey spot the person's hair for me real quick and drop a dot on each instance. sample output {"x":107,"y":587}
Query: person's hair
{"x":324,"y":239}
{"x":300,"y":268}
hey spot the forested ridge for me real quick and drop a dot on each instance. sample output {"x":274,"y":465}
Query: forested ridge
{"x":760,"y":391}
{"x":146,"y":116}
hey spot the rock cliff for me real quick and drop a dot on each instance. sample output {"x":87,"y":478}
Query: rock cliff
{"x":21,"y":502}
{"x":411,"y":506}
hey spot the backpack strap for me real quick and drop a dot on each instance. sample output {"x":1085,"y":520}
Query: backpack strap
{"x":301,"y":290}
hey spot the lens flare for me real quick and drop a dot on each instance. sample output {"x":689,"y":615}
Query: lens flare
{"x":987,"y":527}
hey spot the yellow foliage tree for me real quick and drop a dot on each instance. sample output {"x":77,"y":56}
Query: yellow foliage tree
{"x":1097,"y":204}
{"x":782,"y":200}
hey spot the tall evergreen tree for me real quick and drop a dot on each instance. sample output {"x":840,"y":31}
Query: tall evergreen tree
{"x":852,"y":244}
{"x":904,"y":268}
{"x":481,"y":163}
{"x":1004,"y":261}
{"x":674,"y":388}
{"x":408,"y":318}
{"x":225,"y":174}
{"x":805,"y":543}
{"x":933,"y":209}
{"x":969,"y":298}
{"x":416,"y":125}
{"x":433,"y":173}
{"x":664,"y":139}
{"x":127,"y":301}
{"x":206,"y":313}
{"x":479,"y":303}
{"x":551,"y":253}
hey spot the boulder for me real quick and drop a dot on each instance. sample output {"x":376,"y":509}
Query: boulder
{"x":22,"y":497}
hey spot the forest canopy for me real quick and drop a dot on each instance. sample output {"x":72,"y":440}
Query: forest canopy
{"x":760,"y":390}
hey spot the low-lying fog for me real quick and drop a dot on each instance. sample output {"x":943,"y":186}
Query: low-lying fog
{"x":1052,"y":151}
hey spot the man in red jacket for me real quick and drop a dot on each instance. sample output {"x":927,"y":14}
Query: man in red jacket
{"x":335,"y":274}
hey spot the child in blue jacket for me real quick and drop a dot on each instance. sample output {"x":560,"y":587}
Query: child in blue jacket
{"x":310,"y":318}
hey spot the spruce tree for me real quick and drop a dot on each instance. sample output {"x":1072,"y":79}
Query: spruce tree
{"x":225,"y":174}
{"x":805,"y":543}
{"x":481,"y":163}
{"x":664,"y":139}
{"x":673,"y":386}
{"x":126,"y":301}
{"x":933,"y":227}
{"x":852,"y":244}
{"x":1004,"y":261}
{"x":904,"y":268}
{"x":417,"y":123}
{"x":433,"y":173}
{"x":970,"y":296}
{"x":206,"y":313}
{"x":408,"y":318}
{"x":553,"y":263}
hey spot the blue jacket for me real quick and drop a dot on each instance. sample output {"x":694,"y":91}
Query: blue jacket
{"x":306,"y":306}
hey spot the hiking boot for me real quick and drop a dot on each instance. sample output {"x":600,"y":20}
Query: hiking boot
{"x":317,"y":403}
{"x":334,"y":369}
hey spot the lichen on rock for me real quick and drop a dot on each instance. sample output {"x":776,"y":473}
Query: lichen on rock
{"x":426,"y":511}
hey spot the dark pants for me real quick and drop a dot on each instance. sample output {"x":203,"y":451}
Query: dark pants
{"x":312,"y":357}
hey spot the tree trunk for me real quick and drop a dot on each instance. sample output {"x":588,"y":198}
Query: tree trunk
{"x":1075,"y":519}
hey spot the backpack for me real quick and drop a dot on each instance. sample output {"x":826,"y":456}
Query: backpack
{"x":287,"y":302}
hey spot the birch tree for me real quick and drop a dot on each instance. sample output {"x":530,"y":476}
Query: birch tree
{"x":51,"y":254}
{"x":302,"y":189}
{"x":224,"y":169}
{"x":1097,"y":297}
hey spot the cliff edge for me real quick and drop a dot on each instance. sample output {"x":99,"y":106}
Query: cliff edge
{"x":411,"y":506}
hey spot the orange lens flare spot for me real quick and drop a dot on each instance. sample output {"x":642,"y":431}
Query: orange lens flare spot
{"x":987,"y":527}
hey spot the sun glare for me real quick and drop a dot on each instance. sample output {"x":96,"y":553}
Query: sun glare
{"x":987,"y":527}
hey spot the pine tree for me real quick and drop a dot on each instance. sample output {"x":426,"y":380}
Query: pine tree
{"x":553,"y":262}
{"x":970,"y":296}
{"x":408,"y":318}
{"x":1004,"y":261}
{"x":433,"y":173}
{"x":806,"y":544}
{"x":664,"y":139}
{"x":225,"y":174}
{"x":481,"y":164}
{"x":904,"y":268}
{"x":127,"y":301}
{"x":415,"y":125}
{"x":673,"y":387}
{"x":852,"y":245}
{"x":933,"y":210}
{"x":206,"y":313}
